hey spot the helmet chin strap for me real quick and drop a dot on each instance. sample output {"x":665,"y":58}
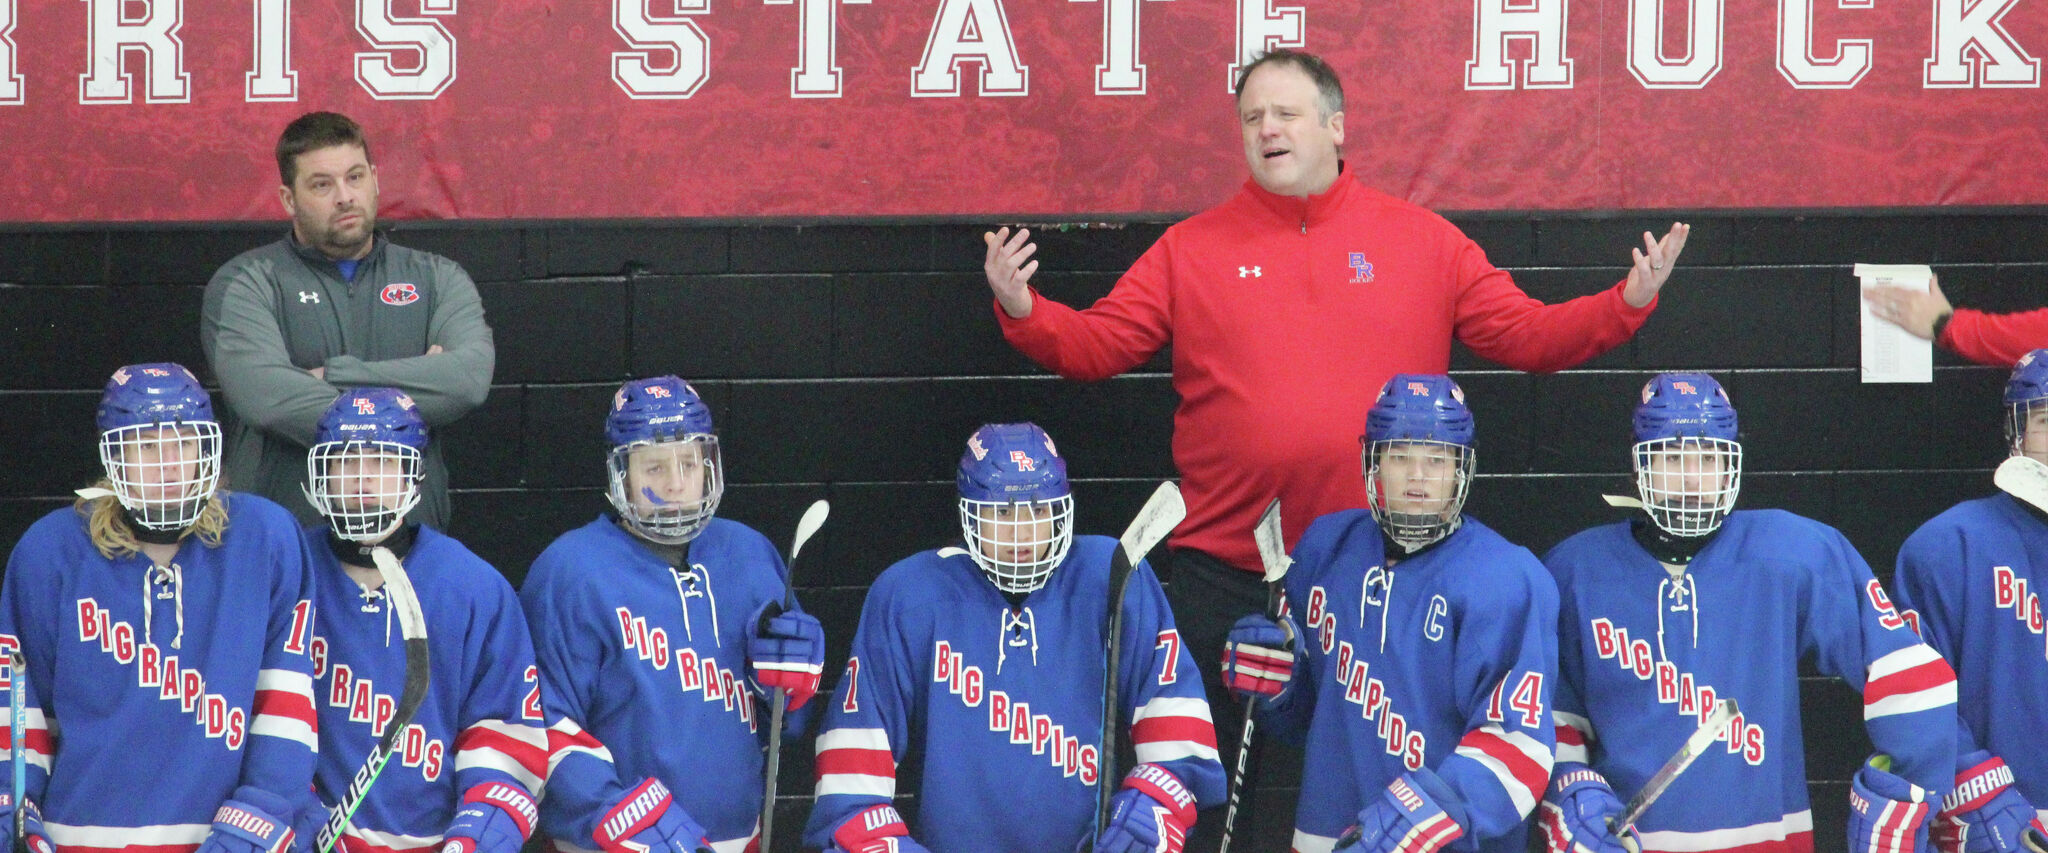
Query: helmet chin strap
{"x":152,"y":535}
{"x":398,"y":539}
{"x":1665,"y":546}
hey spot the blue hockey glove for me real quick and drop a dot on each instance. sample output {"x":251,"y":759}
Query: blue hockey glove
{"x":787,"y":651}
{"x":495,"y":818}
{"x":1150,"y":815}
{"x":1983,"y":814}
{"x":1258,"y":657}
{"x":877,"y":829}
{"x":1578,"y":810}
{"x":647,"y":820}
{"x":251,"y":821}
{"x":1887,"y":814}
{"x":32,"y":824}
{"x":1418,"y":813}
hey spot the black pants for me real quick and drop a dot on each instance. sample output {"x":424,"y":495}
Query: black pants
{"x":1208,"y":596}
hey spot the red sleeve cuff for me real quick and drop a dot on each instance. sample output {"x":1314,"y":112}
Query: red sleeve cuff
{"x":1629,"y":312}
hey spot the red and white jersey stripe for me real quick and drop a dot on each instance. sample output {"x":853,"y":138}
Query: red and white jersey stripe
{"x":1519,"y":762}
{"x":1911,"y":679}
{"x":566,"y":738}
{"x":284,"y":707}
{"x":1792,"y":833}
{"x":168,"y":838}
{"x":1171,"y":728}
{"x":858,"y":761}
{"x":1574,"y":737}
{"x":517,"y":750}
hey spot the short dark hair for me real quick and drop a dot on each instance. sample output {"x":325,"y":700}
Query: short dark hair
{"x":1329,"y":90}
{"x":312,"y":132}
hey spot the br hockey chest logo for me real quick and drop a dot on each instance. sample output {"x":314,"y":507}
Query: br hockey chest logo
{"x":1361,"y":269}
{"x":399,"y":293}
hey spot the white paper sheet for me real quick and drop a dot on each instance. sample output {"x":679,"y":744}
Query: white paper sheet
{"x":1892,"y":354}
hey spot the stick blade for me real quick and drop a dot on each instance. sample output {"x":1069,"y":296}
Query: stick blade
{"x":1160,"y":515}
{"x":807,"y":526}
{"x":1272,"y":546}
{"x":2024,"y":478}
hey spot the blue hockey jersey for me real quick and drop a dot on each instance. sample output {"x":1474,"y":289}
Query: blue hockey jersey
{"x":646,"y":669}
{"x":481,"y":721}
{"x":1645,"y":656}
{"x":1005,"y":703}
{"x":1971,"y":578}
{"x":171,"y":689}
{"x":1443,"y":661}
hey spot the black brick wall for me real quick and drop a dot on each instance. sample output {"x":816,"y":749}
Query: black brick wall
{"x":849,"y":361}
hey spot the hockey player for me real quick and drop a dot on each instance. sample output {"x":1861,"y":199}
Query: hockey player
{"x":988,"y":660}
{"x":1692,"y":602}
{"x":1420,"y":689}
{"x":649,"y":627}
{"x":473,"y":757}
{"x":1971,"y":575}
{"x":165,"y":624}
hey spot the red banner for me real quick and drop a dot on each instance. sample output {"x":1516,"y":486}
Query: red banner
{"x":114,"y":110}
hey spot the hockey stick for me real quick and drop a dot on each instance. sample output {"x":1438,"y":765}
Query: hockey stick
{"x":806,"y":527}
{"x":1273,"y":555}
{"x":398,"y":595}
{"x":2024,"y":478}
{"x":17,"y":743}
{"x":1701,"y":738}
{"x":1161,"y":513}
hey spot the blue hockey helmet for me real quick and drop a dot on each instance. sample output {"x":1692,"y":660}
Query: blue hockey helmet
{"x":2026,"y":406}
{"x":1684,"y":405}
{"x":364,"y":470}
{"x":665,"y":473}
{"x":1016,"y":509}
{"x":1687,"y":458}
{"x":160,"y":444}
{"x":1420,"y":407}
{"x":1418,"y":458}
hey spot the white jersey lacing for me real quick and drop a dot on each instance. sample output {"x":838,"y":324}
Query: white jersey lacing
{"x":696,"y":582}
{"x":1681,"y":590}
{"x":172,"y":578}
{"x":1015,"y":624}
{"x":1384,"y":577}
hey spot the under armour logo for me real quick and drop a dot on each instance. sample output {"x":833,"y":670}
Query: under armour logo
{"x":1249,"y":272}
{"x":306,"y":296}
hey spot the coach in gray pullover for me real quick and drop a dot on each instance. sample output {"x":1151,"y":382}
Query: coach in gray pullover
{"x":335,"y":305}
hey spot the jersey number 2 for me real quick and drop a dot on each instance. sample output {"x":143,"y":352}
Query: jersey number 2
{"x":1528,"y":699}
